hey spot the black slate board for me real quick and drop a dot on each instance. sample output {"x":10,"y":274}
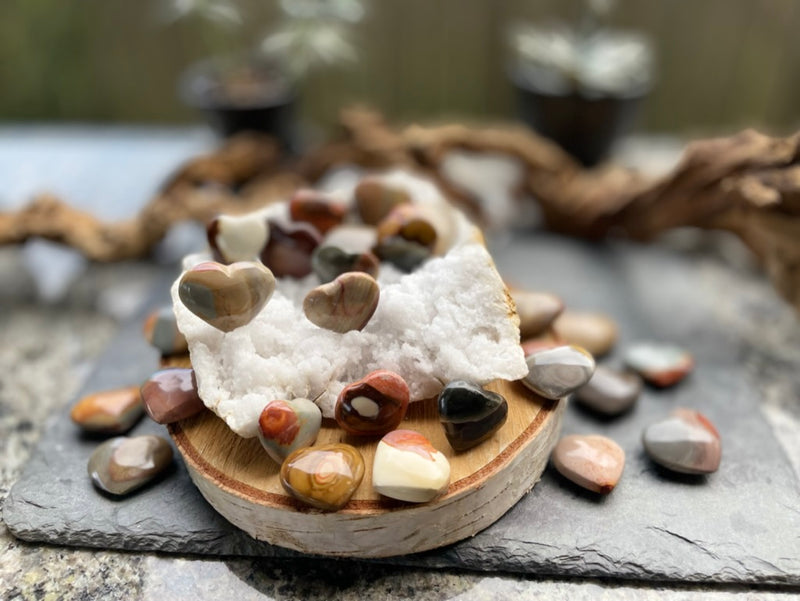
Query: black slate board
{"x":741,"y":524}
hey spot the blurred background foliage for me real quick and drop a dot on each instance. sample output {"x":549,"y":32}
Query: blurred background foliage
{"x":721,"y":64}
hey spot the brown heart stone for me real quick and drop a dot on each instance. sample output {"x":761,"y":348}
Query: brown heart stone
{"x":347,"y":303}
{"x":226,"y":296}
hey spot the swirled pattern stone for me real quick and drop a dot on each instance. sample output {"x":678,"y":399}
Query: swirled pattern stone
{"x":226,"y":296}
{"x":324,"y":477}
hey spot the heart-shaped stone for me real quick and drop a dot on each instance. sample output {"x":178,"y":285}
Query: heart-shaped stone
{"x":593,"y":462}
{"x":408,"y":467}
{"x":595,"y":332}
{"x":610,"y":392}
{"x":375,"y":199}
{"x":536,"y":310}
{"x":329,"y":262}
{"x":319,"y":209}
{"x":324,"y":477}
{"x":373,"y":405}
{"x":404,"y":254}
{"x":407,"y":221}
{"x":470,"y":414}
{"x":170,"y":395}
{"x":226,"y":296}
{"x":685,"y":442}
{"x":556,"y":372}
{"x":161,"y":331}
{"x":288,"y":251}
{"x":661,"y":365}
{"x":236,"y":238}
{"x":347,"y":303}
{"x":285,"y":426}
{"x":109,"y":411}
{"x":121,"y":465}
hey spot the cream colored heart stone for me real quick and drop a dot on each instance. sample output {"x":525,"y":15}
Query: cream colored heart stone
{"x":408,"y":467}
{"x":238,"y":237}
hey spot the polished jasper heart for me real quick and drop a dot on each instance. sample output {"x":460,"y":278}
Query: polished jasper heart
{"x":408,"y":222}
{"x":329,"y":262}
{"x":375,"y":199}
{"x":536,"y":310}
{"x":347,"y":303}
{"x":109,"y":411}
{"x":409,"y":468}
{"x":237,"y":237}
{"x":226,"y":296}
{"x":593,"y":462}
{"x":555,"y":373}
{"x":610,"y":392}
{"x":161,"y":331}
{"x":661,"y":365}
{"x":121,"y":465}
{"x":373,"y":405}
{"x":285,"y":426}
{"x":685,"y":442}
{"x":288,"y":252}
{"x":317,"y":208}
{"x":404,"y":254}
{"x":470,"y":414}
{"x":324,"y":477}
{"x":170,"y":395}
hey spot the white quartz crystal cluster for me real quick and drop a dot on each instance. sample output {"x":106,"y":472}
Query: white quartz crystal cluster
{"x":450,"y":319}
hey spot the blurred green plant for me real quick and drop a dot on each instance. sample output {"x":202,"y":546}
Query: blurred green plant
{"x":311,"y":33}
{"x":588,"y":57}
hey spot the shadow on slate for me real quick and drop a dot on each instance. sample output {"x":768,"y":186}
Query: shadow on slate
{"x":741,"y":524}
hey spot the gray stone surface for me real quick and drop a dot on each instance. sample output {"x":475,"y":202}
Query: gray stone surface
{"x":741,"y":524}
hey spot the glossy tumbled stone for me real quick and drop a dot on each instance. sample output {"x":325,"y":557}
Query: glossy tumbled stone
{"x":408,"y":222}
{"x":661,"y":365}
{"x":288,"y":252}
{"x":408,"y":467}
{"x":556,"y":372}
{"x":329,"y":262}
{"x":170,"y":395}
{"x":470,"y":414}
{"x":534,"y":345}
{"x":373,"y":405}
{"x":685,"y":442}
{"x":375,"y":199}
{"x":324,"y":477}
{"x":536,"y":310}
{"x":226,"y":296}
{"x":609,"y":391}
{"x":593,"y":462}
{"x":595,"y":332}
{"x":317,"y":208}
{"x":161,"y":331}
{"x":121,"y":465}
{"x":347,"y":303}
{"x":285,"y":426}
{"x":404,"y":254}
{"x":109,"y":411}
{"x":235,"y":238}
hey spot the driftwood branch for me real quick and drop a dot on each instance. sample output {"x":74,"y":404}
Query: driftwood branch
{"x":748,"y":184}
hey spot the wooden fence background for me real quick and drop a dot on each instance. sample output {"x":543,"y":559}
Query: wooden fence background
{"x":723,"y":64}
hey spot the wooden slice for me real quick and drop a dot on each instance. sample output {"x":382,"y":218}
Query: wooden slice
{"x":241,"y":482}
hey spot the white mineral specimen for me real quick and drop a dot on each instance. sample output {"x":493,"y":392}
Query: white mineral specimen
{"x":450,"y":319}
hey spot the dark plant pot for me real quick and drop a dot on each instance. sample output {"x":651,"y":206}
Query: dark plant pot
{"x":586,"y":127}
{"x":265,"y":102}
